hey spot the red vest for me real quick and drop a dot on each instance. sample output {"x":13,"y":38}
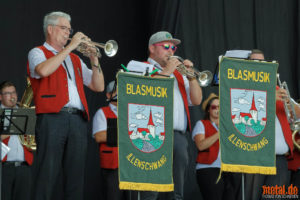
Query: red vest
{"x":280,"y":113}
{"x":210,"y":155}
{"x":27,"y":154}
{"x":108,"y":155}
{"x":51,"y":93}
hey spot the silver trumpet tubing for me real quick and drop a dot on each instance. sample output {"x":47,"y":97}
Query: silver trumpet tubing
{"x":204,"y":78}
{"x":90,"y":48}
{"x":290,"y":112}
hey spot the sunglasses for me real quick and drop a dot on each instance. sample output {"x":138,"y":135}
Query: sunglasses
{"x":167,"y":46}
{"x":213,"y":107}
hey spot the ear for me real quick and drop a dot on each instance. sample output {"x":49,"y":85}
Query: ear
{"x":49,"y":29}
{"x":151,"y":48}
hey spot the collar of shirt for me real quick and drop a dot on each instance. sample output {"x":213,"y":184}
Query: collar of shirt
{"x":50,"y":48}
{"x":215,"y":125}
{"x":113,"y":108}
{"x":156,"y":65}
{"x":3,"y":106}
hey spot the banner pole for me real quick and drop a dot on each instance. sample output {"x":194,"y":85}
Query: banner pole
{"x":243,"y":187}
{"x":139,"y":195}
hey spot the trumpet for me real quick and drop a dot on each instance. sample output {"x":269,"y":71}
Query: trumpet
{"x":110,"y":48}
{"x":290,"y":113}
{"x":204,"y":78}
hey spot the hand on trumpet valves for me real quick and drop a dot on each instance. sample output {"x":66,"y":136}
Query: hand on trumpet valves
{"x":188,"y":63}
{"x":78,"y":39}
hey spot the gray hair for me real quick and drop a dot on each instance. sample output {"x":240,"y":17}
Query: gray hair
{"x":52,"y":19}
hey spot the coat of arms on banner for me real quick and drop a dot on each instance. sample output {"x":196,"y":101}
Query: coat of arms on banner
{"x":146,"y":126}
{"x":248,"y":111}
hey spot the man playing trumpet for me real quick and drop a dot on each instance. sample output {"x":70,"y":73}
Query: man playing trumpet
{"x":187,"y":92}
{"x":283,"y":143}
{"x":57,"y":77}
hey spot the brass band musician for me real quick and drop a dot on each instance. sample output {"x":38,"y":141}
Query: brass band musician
{"x":283,"y":145}
{"x":57,"y":77}
{"x":16,"y":164}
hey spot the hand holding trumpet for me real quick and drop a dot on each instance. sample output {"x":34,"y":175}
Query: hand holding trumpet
{"x":77,"y":39}
{"x":90,"y":49}
{"x":83,"y":44}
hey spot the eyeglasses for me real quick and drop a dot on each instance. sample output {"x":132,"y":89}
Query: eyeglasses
{"x":167,"y":46}
{"x":64,"y":28}
{"x":9,"y":93}
{"x":213,"y":107}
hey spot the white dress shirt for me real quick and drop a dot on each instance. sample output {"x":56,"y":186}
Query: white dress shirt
{"x":281,"y":146}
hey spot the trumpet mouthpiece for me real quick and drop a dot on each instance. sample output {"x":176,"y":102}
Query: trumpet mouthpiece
{"x":13,"y":100}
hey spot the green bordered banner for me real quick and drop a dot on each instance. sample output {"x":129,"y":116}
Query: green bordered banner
{"x":247,"y":115}
{"x":145,"y":132}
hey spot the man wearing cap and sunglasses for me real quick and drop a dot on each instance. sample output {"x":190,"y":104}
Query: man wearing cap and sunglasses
{"x":187,"y":92}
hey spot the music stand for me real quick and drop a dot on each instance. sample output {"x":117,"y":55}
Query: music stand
{"x":15,"y":121}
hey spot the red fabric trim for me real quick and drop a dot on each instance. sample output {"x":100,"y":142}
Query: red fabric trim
{"x":180,"y":81}
{"x":280,"y":113}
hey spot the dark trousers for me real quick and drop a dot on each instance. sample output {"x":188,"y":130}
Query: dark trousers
{"x":16,"y":182}
{"x":228,"y":186}
{"x":295,"y":179}
{"x":111,"y":186}
{"x":180,"y":163}
{"x":254,"y":182}
{"x":206,"y":179}
{"x":61,"y":147}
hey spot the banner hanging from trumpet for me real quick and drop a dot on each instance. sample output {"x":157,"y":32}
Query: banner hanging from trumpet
{"x":247,"y":116}
{"x":145,"y":132}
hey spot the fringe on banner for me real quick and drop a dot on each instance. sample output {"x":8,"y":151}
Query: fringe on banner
{"x":146,"y":186}
{"x":248,"y":169}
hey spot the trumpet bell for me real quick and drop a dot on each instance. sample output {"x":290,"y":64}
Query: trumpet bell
{"x":111,"y":48}
{"x":204,"y":78}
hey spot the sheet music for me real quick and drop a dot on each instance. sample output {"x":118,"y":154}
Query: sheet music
{"x":238,"y":53}
{"x":4,"y":150}
{"x":139,"y":68}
